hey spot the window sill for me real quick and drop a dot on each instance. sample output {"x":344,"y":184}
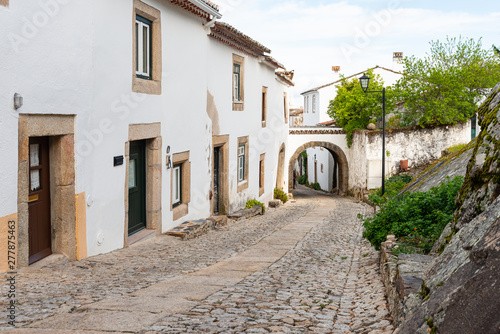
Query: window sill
{"x":180,"y":211}
{"x":146,"y":86}
{"x":263,"y":124}
{"x":242,"y":185}
{"x":238,"y":105}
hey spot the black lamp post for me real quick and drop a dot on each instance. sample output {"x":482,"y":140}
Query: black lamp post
{"x":365,"y":82}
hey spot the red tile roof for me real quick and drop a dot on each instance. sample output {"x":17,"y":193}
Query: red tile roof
{"x":231,"y":36}
{"x":351,"y":76}
{"x":191,"y":7}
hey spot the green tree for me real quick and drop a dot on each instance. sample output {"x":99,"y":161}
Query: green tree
{"x":445,"y":86}
{"x":353,"y":109}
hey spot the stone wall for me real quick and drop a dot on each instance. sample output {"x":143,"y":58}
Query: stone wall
{"x":461,"y":286}
{"x":418,"y":145}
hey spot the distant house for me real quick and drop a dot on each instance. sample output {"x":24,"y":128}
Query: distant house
{"x":322,"y":167}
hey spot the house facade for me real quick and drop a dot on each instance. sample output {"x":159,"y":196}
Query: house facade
{"x":113,"y":132}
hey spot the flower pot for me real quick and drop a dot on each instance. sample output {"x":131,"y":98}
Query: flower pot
{"x":403,"y":164}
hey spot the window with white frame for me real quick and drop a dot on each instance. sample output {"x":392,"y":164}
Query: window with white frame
{"x":241,"y":163}
{"x":143,"y":47}
{"x":177,"y":185}
{"x":314,"y":104}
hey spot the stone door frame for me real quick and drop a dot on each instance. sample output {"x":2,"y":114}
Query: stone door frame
{"x":61,"y":132}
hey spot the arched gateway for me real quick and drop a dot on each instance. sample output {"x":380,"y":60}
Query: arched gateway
{"x":338,"y":154}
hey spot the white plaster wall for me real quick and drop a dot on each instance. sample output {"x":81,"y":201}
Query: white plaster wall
{"x":311,"y":118}
{"x":180,"y":109}
{"x":237,"y":124}
{"x":45,"y":55}
{"x":323,"y":157}
{"x":418,"y":146}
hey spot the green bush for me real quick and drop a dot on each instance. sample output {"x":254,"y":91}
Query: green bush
{"x":393,"y":186}
{"x":316,"y":186}
{"x":302,"y":179}
{"x":422,"y":214}
{"x":280,"y":194}
{"x":253,"y":202}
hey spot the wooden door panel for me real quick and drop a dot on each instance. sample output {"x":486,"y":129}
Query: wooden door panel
{"x":39,"y":227}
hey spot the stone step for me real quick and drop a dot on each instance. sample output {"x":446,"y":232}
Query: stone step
{"x":194,"y":228}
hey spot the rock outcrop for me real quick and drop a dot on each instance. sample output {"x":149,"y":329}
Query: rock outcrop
{"x":461,"y":288}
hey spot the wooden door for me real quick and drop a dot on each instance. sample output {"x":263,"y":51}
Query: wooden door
{"x":216,"y":180}
{"x":137,"y":187}
{"x":39,"y":226}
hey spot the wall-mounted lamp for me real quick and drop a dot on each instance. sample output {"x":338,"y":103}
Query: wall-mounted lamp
{"x":169,"y":161}
{"x":18,"y":101}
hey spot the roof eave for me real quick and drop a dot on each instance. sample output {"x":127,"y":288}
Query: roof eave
{"x":203,"y":6}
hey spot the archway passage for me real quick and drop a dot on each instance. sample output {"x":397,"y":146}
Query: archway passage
{"x":339,"y":156}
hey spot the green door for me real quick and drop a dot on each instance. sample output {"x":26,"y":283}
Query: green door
{"x":137,"y":187}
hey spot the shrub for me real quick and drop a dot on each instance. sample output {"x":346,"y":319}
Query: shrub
{"x":393,"y":186}
{"x":422,"y":214}
{"x":302,"y":179}
{"x":316,"y":186}
{"x":253,"y":202}
{"x":280,"y":194}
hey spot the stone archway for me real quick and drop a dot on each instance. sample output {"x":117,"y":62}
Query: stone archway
{"x":338,"y":154}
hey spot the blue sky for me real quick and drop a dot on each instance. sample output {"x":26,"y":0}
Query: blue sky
{"x":312,"y":36}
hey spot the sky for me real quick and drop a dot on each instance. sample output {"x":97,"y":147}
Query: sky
{"x":312,"y":36}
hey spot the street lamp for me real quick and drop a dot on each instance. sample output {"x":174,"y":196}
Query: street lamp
{"x":364,"y":81}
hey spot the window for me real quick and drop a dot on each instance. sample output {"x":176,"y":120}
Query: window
{"x":242,"y":163}
{"x":143,"y":47}
{"x":238,"y":82}
{"x":261,"y":173}
{"x":306,"y":104}
{"x":264,"y":106}
{"x":177,"y":186}
{"x":180,"y":189}
{"x":146,"y":49}
{"x":314,"y":104}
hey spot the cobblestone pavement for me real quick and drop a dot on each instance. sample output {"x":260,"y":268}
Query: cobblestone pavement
{"x":301,"y":268}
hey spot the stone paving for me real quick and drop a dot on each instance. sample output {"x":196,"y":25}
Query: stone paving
{"x":300,"y":268}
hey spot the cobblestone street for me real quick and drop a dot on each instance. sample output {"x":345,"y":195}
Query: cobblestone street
{"x":300,"y":268}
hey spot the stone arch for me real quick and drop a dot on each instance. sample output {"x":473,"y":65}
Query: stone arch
{"x":338,"y":154}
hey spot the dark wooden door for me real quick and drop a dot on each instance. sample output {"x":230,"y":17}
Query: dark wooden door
{"x":137,"y":187}
{"x":216,"y":180}
{"x":39,"y":226}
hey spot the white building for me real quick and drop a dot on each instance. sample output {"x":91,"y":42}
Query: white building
{"x":316,"y":103}
{"x":125,"y":104}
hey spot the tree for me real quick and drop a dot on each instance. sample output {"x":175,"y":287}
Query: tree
{"x":353,"y":109}
{"x":445,"y":86}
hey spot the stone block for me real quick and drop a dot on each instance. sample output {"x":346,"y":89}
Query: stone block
{"x":274,"y":203}
{"x":247,"y":213}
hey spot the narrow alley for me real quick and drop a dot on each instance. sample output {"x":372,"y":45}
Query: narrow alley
{"x":300,"y":268}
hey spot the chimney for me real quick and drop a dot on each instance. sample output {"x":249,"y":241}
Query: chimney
{"x":397,"y":61}
{"x":336,"y":71}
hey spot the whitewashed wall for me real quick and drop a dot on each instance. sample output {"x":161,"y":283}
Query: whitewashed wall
{"x":237,"y":124}
{"x":325,"y":158}
{"x":45,"y":55}
{"x":418,"y":146}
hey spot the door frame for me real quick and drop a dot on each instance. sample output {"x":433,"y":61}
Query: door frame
{"x":151,"y":133}
{"x":221,"y":141}
{"x":60,"y":130}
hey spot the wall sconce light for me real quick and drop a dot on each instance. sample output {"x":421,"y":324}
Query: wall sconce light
{"x":169,"y":161}
{"x":18,"y":101}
